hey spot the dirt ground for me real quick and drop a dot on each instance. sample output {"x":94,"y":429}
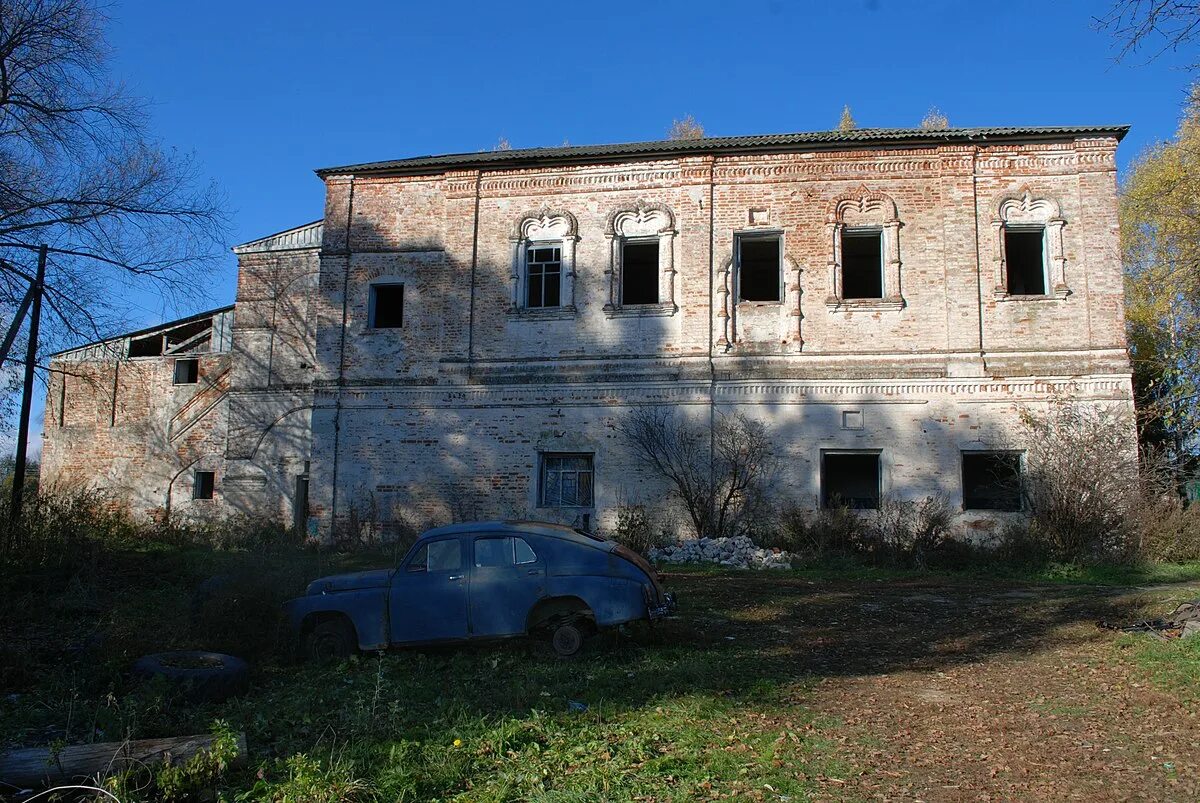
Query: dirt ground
{"x":968,"y":690}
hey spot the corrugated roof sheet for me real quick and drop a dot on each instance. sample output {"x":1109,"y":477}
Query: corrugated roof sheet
{"x":815,"y":140}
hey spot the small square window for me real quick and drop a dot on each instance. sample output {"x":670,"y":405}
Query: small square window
{"x":387,"y":306}
{"x":639,"y":273}
{"x":187,"y":372}
{"x":850,"y":479}
{"x":543,"y":269}
{"x":203,"y":484}
{"x":862,"y":263}
{"x":991,"y":480}
{"x":566,"y":480}
{"x":1025,"y":262}
{"x":759,"y":269}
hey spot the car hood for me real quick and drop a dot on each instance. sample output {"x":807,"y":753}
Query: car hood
{"x":354,"y":581}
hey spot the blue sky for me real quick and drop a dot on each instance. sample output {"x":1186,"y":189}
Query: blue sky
{"x":263,"y":92}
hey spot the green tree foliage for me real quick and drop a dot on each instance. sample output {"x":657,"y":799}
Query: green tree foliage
{"x":1160,"y":239}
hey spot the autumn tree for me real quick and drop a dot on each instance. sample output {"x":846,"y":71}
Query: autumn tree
{"x":934,"y":120}
{"x":846,"y":123}
{"x":685,"y":129}
{"x":1160,"y":239}
{"x":79,"y":172}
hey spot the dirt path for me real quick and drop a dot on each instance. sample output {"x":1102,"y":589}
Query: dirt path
{"x":970,"y":692}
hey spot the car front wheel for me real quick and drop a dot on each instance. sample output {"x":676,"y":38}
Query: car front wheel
{"x":331,"y":640}
{"x":567,"y":639}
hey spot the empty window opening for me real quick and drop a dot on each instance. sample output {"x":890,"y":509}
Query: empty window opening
{"x":759,"y":269}
{"x":187,"y":372}
{"x":566,"y":480}
{"x":543,"y":264}
{"x":387,"y":306}
{"x":189,"y":337}
{"x":850,"y":479}
{"x":862,"y":263}
{"x":991,"y":480}
{"x":202,"y":486}
{"x":1024,"y":256}
{"x":639,"y":273}
{"x":151,"y":346}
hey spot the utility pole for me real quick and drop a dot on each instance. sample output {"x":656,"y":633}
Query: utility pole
{"x":18,"y":486}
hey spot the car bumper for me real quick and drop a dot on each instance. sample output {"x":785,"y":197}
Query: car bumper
{"x":665,"y":609}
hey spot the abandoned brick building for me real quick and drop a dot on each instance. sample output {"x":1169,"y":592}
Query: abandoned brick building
{"x":459,"y":334}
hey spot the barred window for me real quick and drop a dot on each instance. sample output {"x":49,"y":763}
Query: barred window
{"x":566,"y":480}
{"x":543,"y":264}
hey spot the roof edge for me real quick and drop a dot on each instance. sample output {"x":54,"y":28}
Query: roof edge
{"x":297,"y":238}
{"x":760,"y":143}
{"x":149,"y":329}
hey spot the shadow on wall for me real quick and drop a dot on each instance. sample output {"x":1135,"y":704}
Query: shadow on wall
{"x":402,"y":469}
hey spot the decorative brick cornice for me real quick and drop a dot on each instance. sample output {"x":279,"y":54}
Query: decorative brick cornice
{"x":1113,"y":387}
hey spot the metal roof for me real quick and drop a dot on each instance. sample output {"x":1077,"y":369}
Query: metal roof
{"x":293,"y":239}
{"x":761,"y":143}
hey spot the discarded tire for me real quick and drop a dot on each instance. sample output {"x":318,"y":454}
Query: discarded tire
{"x":199,"y":676}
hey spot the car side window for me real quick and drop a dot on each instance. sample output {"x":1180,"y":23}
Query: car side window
{"x":437,"y":556}
{"x":506,"y":551}
{"x":523,"y":552}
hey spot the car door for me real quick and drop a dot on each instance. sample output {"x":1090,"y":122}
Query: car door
{"x":507,"y":578}
{"x":428,"y":597}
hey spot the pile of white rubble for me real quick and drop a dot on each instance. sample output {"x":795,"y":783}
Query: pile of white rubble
{"x":739,"y":553}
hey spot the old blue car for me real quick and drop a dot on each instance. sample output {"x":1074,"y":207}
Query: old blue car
{"x":482,"y":580}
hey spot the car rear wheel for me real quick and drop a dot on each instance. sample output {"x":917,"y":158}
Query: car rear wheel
{"x":331,"y":640}
{"x":567,"y":639}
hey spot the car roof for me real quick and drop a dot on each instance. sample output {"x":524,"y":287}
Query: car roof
{"x":544,"y":528}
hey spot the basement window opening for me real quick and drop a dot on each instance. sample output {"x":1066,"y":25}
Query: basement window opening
{"x":543,"y":266}
{"x":991,"y":480}
{"x":850,"y":479}
{"x":203,"y":484}
{"x":1025,"y":261}
{"x":639,"y":273}
{"x":386,"y":306}
{"x":759,"y":269}
{"x":187,"y":372}
{"x":862,"y":263}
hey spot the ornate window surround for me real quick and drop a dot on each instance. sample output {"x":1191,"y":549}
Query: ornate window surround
{"x":641,"y":222}
{"x":543,"y":226}
{"x":791,"y":317}
{"x":863,"y":208}
{"x":1024,"y":209}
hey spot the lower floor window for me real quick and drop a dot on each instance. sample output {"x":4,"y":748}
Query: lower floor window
{"x":566,"y":480}
{"x":991,"y":480}
{"x":850,"y":479}
{"x":202,"y":485}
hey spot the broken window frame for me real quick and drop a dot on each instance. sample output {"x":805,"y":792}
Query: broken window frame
{"x":192,"y":376}
{"x":826,"y":498}
{"x":553,"y":469}
{"x":969,"y":502}
{"x":863,"y":233}
{"x":204,"y":485}
{"x":373,"y":305}
{"x":739,"y":271}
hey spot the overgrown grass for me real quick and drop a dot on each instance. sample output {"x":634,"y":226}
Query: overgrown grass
{"x":1173,"y":666}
